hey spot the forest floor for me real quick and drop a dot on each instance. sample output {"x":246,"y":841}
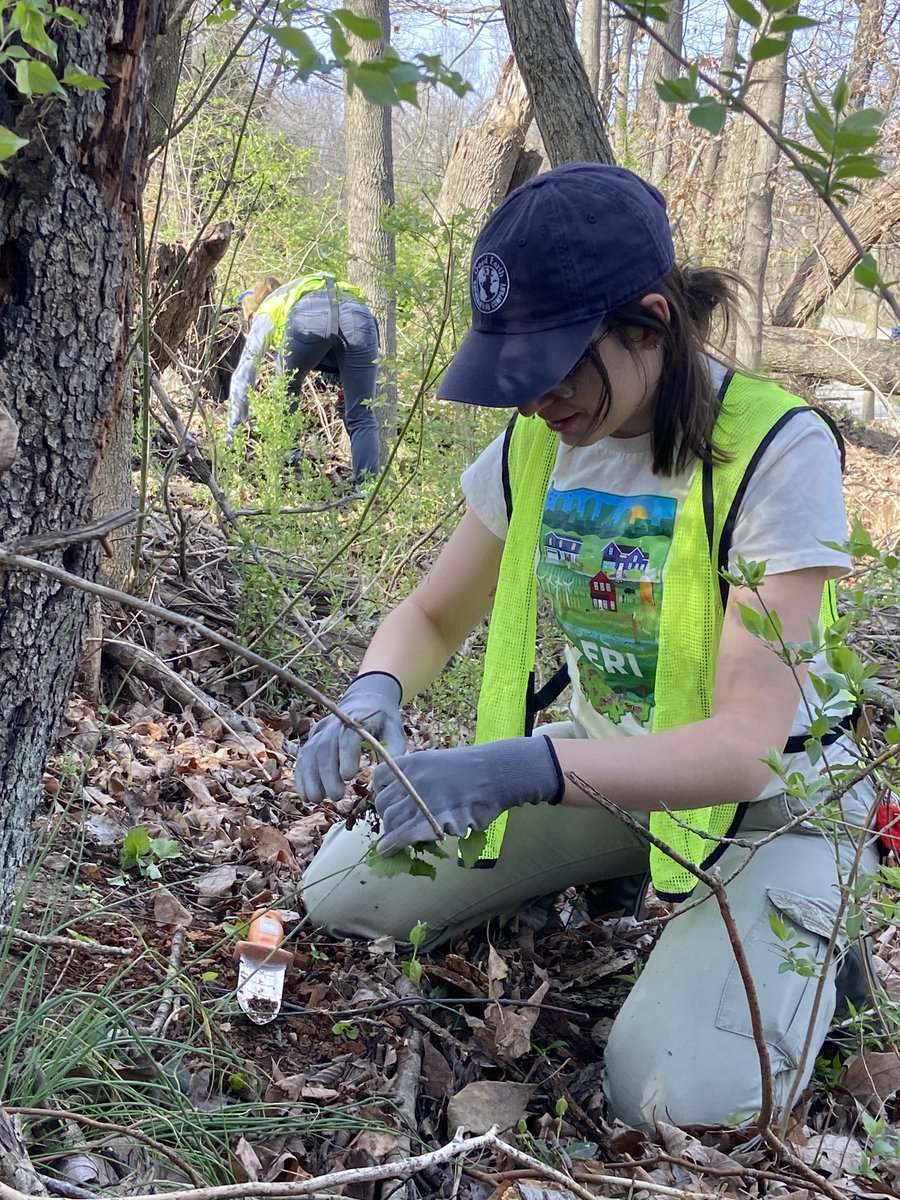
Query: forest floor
{"x":127,"y":1014}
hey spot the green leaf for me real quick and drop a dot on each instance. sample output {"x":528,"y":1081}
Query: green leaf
{"x":10,"y":143}
{"x":677,"y":91}
{"x":778,"y":927}
{"x":426,"y":870}
{"x":709,"y":114}
{"x":746,"y":11}
{"x":792,"y":22}
{"x":858,"y":166}
{"x":581,"y":1150}
{"x":74,"y":77}
{"x":63,"y":13}
{"x":36,"y":79}
{"x":375,"y":85}
{"x":135,"y":846}
{"x":340,"y":47}
{"x":822,"y":129}
{"x":305,"y":58}
{"x":866,"y":272}
{"x":767,"y":47}
{"x":471,"y":848}
{"x":840,"y":96}
{"x":364,"y":27}
{"x":752,"y":619}
{"x":418,"y":933}
{"x":30,"y":22}
{"x":389,"y":866}
{"x":162,"y":848}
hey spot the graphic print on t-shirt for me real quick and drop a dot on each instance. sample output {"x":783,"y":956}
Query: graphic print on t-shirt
{"x":601,"y":567}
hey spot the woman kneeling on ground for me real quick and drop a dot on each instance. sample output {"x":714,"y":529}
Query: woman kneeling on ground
{"x":633,"y":471}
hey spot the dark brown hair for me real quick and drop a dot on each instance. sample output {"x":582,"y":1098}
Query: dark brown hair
{"x":686,"y":407}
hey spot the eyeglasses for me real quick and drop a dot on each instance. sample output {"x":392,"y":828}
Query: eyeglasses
{"x":562,"y":390}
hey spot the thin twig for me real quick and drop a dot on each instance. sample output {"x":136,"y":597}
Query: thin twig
{"x":168,"y":994}
{"x":55,"y":540}
{"x":20,"y":562}
{"x":130,"y":1131}
{"x":713,"y":881}
{"x":53,"y":939}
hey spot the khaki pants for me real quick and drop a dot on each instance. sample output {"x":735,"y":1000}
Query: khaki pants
{"x":681,"y":1049}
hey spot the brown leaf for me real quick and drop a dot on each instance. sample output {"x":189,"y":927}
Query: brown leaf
{"x":272,"y":847}
{"x":437,"y":1077}
{"x":485,"y":1103}
{"x":872,"y":1079}
{"x":168,"y":910}
{"x":248,"y":1160}
{"x":216,"y":884}
{"x":514,"y":1026}
{"x":497,"y":972}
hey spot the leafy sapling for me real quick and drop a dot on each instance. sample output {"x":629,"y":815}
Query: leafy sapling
{"x":412,"y":967}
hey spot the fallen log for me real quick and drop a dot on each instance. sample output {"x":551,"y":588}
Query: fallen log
{"x":859,"y":362}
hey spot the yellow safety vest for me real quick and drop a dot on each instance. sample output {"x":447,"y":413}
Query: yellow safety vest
{"x":691,"y":616}
{"x":277,"y":306}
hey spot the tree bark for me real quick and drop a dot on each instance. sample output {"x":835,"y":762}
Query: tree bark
{"x":590,"y":42}
{"x":766,"y":94}
{"x":658,"y":119}
{"x":180,"y":286}
{"x":485,"y":156}
{"x":860,"y":362}
{"x":370,"y":195}
{"x":71,"y":198}
{"x":565,"y":108}
{"x":623,"y":82}
{"x":867,"y":45}
{"x":870,"y":217}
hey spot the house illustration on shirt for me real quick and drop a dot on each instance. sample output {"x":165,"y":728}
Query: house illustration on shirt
{"x":561,"y":548}
{"x":623,"y":558}
{"x":603,"y":592}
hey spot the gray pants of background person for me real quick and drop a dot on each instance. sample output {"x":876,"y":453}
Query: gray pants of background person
{"x":352,"y":352}
{"x":681,"y":1049}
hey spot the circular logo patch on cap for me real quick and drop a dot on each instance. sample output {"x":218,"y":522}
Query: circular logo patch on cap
{"x":490,"y":282}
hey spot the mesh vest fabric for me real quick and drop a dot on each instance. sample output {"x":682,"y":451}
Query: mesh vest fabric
{"x":690,"y":619}
{"x":278,"y":305}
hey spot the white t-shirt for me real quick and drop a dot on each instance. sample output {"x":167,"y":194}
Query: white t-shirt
{"x":605,"y":537}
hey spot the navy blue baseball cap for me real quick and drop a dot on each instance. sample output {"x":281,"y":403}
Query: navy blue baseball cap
{"x":560,"y":252}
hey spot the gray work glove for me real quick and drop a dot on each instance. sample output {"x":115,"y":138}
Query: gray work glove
{"x":464,"y":788}
{"x":331,"y":754}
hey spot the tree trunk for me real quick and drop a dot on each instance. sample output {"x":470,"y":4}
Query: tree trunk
{"x":700,"y":236}
{"x":860,"y":362}
{"x":870,"y":216}
{"x":565,"y":108}
{"x":604,"y":54}
{"x":867,"y":45}
{"x":590,"y":43}
{"x":657,"y":118}
{"x":181,"y":285}
{"x":485,"y":156}
{"x":765,"y":94}
{"x":70,"y":202}
{"x":370,"y":195}
{"x":623,"y":83}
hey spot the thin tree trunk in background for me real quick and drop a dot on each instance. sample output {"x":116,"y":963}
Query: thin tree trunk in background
{"x":71,"y":199}
{"x":870,"y":216}
{"x":658,"y":118}
{"x":713,"y":153}
{"x":604,"y":54}
{"x":766,"y":94}
{"x":565,"y":108}
{"x":590,"y":42}
{"x":623,"y":90}
{"x":370,"y":194}
{"x":485,"y":155}
{"x":867,"y":45}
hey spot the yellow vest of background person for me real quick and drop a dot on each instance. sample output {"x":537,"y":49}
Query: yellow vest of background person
{"x":691,"y":617}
